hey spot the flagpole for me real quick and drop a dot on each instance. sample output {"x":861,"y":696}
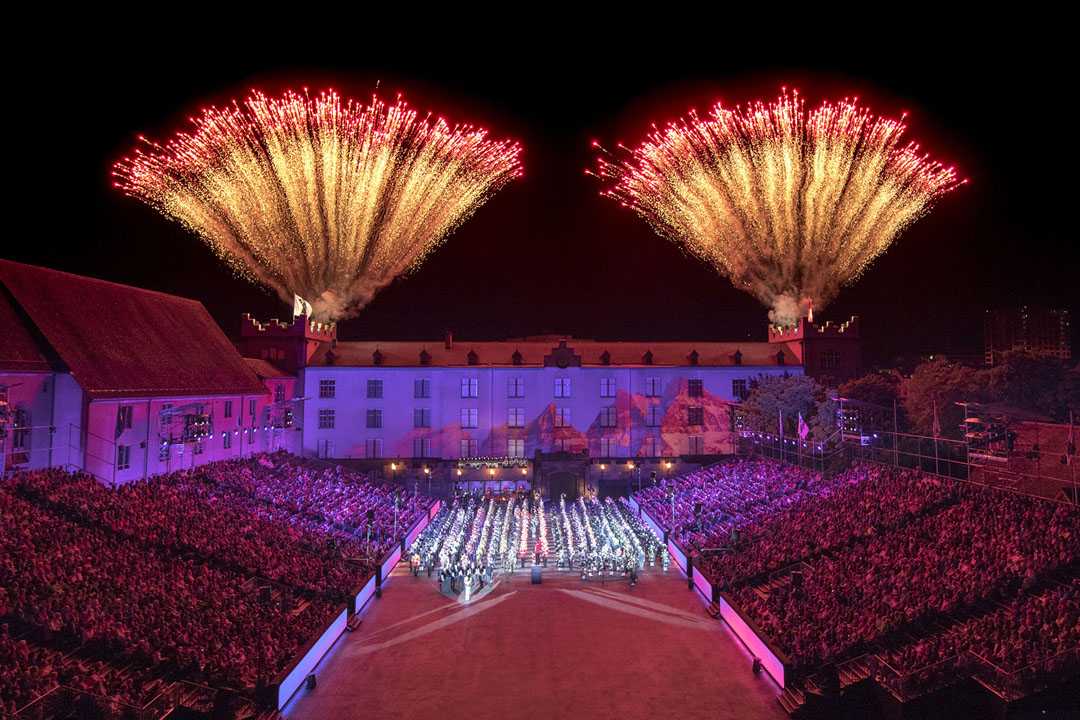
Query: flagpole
{"x":798,"y":443}
{"x":937,"y":431}
{"x":895,"y":454}
{"x":781,"y":434}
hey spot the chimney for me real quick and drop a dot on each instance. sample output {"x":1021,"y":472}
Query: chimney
{"x":449,"y":340}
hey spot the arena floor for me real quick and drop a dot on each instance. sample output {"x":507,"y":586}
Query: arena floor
{"x":565,"y":648}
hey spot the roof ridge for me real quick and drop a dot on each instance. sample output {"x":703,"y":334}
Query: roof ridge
{"x":89,"y":278}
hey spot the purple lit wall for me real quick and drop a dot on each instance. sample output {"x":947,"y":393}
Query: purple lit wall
{"x":628,"y":411}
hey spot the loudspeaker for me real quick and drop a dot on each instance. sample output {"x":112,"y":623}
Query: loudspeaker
{"x":309,"y":681}
{"x":756,"y":666}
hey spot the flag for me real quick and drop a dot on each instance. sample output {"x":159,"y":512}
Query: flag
{"x":937,"y":422}
{"x":804,"y":429}
{"x":300,"y":307}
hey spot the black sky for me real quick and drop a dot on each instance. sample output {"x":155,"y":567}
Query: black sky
{"x":548,"y":254}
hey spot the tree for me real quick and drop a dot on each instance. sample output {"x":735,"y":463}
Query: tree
{"x":771,"y":395}
{"x":1035,"y":382}
{"x":873,"y":396}
{"x":942,"y":383}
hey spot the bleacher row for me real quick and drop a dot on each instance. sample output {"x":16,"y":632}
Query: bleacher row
{"x":919,"y":580}
{"x":213,"y":578}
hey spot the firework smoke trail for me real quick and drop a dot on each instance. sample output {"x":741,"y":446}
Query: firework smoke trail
{"x":790,"y":205}
{"x":327,"y":199}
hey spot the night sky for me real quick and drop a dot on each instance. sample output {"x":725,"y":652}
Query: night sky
{"x":547,"y":254}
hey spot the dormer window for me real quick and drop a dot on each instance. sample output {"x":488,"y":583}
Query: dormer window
{"x":780,"y":360}
{"x":377,"y":357}
{"x":516,"y":358}
{"x":473,"y":358}
{"x":425,"y":357}
{"x":605,"y":358}
{"x":693,"y":357}
{"x":646,"y":359}
{"x":737,"y":357}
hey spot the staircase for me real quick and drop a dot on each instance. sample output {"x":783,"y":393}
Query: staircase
{"x":853,"y":672}
{"x":792,"y":699}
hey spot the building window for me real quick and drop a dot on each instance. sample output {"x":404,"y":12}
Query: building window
{"x":421,"y":389}
{"x":374,"y":418}
{"x":21,"y":437}
{"x":695,"y":388}
{"x":607,"y":387}
{"x":561,"y":445}
{"x":515,"y":447}
{"x":470,"y":387}
{"x":648,"y":446}
{"x":652,"y":387}
{"x":695,"y":416}
{"x":163,"y":452}
{"x":654,"y":416}
{"x":123,"y":457}
{"x":226,"y":440}
{"x":251,"y":407}
{"x":326,"y":421}
{"x":515,"y":417}
{"x":697,"y":445}
{"x":562,"y":387}
{"x":198,"y":448}
{"x":468,"y":448}
{"x":562,"y":417}
{"x":421,"y":447}
{"x":373,"y":447}
{"x":421,"y":417}
{"x":279,"y":393}
{"x":830,"y":359}
{"x":124,"y":417}
{"x":738,"y":388}
{"x":609,"y":416}
{"x":515,"y":387}
{"x":469,"y":417}
{"x":608,"y":447}
{"x":374,"y":389}
{"x":251,"y":431}
{"x":228,"y":408}
{"x":327,"y":389}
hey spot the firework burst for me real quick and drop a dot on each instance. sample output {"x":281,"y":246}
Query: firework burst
{"x":788,"y":204}
{"x":321,"y":197}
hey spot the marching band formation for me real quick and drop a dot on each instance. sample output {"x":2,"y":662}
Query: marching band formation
{"x":476,"y":537}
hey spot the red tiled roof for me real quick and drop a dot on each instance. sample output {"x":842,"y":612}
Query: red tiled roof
{"x":264,"y":369}
{"x":121,"y":341}
{"x":533,"y":351}
{"x":19,"y":351}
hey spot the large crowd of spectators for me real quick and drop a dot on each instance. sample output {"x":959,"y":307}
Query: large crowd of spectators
{"x":832,"y":568}
{"x":1022,"y":631}
{"x":702,"y":508}
{"x":191,"y":575}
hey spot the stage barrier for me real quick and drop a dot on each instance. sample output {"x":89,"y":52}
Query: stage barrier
{"x":677,"y":554}
{"x":290,"y":682}
{"x":701,"y":584}
{"x":772,"y":660}
{"x":365,"y":594}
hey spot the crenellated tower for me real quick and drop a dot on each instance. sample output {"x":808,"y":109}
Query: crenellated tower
{"x":288,"y":346}
{"x":828,"y":351}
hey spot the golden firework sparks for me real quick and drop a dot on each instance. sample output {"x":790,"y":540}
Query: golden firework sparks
{"x":321,"y":197}
{"x":790,"y":205}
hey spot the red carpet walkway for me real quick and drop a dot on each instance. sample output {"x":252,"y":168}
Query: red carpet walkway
{"x":563,"y":649}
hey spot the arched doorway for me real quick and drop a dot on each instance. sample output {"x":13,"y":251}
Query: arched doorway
{"x":559,"y":482}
